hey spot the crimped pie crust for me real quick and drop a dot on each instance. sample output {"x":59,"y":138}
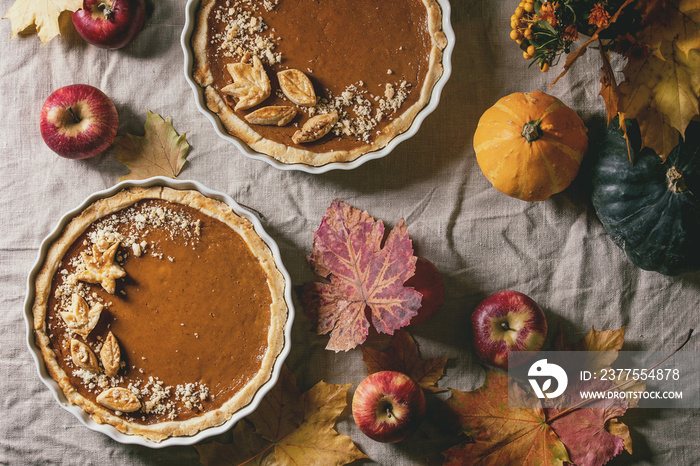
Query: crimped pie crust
{"x":212,"y":208}
{"x":289,"y":154}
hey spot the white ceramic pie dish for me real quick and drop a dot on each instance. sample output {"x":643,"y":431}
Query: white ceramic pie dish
{"x":107,"y":429}
{"x":185,"y":40}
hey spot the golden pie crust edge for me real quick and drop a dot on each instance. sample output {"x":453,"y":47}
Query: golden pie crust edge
{"x":213,"y":208}
{"x":290,"y":155}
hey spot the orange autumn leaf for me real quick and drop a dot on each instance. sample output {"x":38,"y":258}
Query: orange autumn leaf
{"x":609,"y":89}
{"x":402,"y":356}
{"x":536,"y":435}
{"x":499,"y":434}
{"x":289,"y":428}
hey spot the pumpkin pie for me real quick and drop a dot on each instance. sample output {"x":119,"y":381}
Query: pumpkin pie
{"x":159,"y":311}
{"x":317,"y":82}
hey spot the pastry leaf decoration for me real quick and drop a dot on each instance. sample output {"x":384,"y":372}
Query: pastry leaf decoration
{"x":101,"y":268}
{"x":110,"y":355}
{"x":161,"y":151}
{"x":289,"y":428}
{"x":402,"y":356}
{"x":40,"y":16}
{"x":81,"y":318}
{"x":362,"y":274}
{"x":250,"y":84}
{"x":538,"y":435}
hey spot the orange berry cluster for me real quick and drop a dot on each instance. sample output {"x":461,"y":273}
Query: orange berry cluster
{"x":525,"y":17}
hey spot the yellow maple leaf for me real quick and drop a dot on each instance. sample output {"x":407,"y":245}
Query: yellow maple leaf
{"x":662,"y":90}
{"x":39,"y":15}
{"x":663,"y":95}
{"x":290,"y":429}
{"x":676,"y":22}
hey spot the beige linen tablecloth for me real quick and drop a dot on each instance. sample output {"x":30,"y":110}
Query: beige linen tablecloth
{"x":555,"y":251}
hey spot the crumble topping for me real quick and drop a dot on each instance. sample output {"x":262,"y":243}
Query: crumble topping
{"x":245,"y":32}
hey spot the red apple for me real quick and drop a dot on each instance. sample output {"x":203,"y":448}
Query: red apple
{"x":507,"y":321}
{"x":388,"y":406}
{"x":428,"y":282}
{"x":110,"y":24}
{"x":78,"y":121}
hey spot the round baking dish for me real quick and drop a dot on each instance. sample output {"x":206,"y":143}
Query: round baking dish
{"x":185,"y":41}
{"x":83,"y":416}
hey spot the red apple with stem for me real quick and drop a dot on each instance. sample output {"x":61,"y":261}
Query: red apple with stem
{"x":507,"y":321}
{"x":388,"y":406}
{"x":429,"y":283}
{"x":78,"y":121}
{"x":110,"y":24}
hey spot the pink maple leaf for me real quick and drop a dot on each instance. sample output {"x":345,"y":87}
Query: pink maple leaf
{"x":585,"y":431}
{"x":360,"y":274}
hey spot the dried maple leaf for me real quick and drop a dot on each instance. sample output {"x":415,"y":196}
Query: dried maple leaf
{"x":609,"y":90}
{"x":605,"y":343}
{"x":578,"y":429}
{"x":662,"y":94}
{"x":499,"y":434}
{"x":159,"y":152}
{"x":39,"y":15}
{"x":361,"y":274}
{"x":289,"y":428}
{"x":603,"y":346}
{"x":402,"y":356}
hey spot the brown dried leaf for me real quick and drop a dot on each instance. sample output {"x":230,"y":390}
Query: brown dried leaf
{"x":273,"y":115}
{"x":82,"y":356}
{"x":609,"y":89}
{"x":119,"y":399}
{"x":297,"y":87}
{"x":110,"y":355}
{"x":663,"y":94}
{"x":159,"y":152}
{"x":315,"y":128}
{"x":402,"y":356}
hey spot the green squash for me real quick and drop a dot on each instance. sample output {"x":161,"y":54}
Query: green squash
{"x":649,"y":208}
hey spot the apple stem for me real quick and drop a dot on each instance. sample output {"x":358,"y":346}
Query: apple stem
{"x":388,"y":412}
{"x":106,"y":9}
{"x":72,"y":113}
{"x":505,"y":326}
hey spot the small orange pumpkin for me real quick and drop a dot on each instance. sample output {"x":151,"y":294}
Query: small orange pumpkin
{"x":530,"y":145}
